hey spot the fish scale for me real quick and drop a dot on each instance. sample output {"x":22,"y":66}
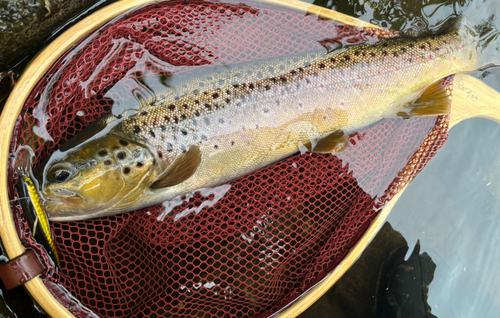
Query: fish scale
{"x":208,"y":137}
{"x":178,"y":124}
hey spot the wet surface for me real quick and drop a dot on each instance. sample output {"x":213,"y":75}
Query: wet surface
{"x":417,"y":19}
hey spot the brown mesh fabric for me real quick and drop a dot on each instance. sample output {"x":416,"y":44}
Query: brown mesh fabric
{"x":243,"y":249}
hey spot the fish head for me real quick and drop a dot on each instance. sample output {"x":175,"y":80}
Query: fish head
{"x":103,"y":176}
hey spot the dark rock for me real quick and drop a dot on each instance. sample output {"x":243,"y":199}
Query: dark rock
{"x":381,"y":283}
{"x":26,"y":24}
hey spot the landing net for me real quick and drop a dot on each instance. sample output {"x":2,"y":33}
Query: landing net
{"x":243,"y":249}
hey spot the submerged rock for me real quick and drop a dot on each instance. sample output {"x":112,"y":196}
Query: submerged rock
{"x":381,"y":283}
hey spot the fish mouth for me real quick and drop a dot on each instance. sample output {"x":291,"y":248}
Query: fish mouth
{"x":61,"y":199}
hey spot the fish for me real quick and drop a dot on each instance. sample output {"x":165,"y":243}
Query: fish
{"x":204,"y":138}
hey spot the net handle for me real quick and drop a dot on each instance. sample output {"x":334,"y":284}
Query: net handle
{"x":27,"y":82}
{"x":471,"y":98}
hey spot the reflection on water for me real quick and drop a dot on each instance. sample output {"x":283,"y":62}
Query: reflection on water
{"x":452,"y":208}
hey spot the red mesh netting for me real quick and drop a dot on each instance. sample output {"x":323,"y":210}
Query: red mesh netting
{"x":244,"y":249}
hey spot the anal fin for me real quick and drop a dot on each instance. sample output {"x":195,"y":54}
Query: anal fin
{"x":180,"y":170}
{"x":433,"y":101}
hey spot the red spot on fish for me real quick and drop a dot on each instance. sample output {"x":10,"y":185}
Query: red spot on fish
{"x":324,"y":117}
{"x":381,"y":91}
{"x":463,"y":47}
{"x":321,"y":86}
{"x":430,"y":57}
{"x":454,"y":58}
{"x":300,"y":105}
{"x":397,"y":68}
{"x":341,"y":104}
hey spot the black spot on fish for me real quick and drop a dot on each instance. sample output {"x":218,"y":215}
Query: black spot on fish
{"x":136,"y":153}
{"x":228,"y":92}
{"x":137,"y":129}
{"x":411,"y":46}
{"x":207,"y":106}
{"x":152,"y":134}
{"x":163,"y":127}
{"x":385,"y":44}
{"x":232,"y":143}
{"x":322,"y":65}
{"x":107,"y":162}
{"x":301,"y":69}
{"x":126,"y":170}
{"x":267,"y":87}
{"x":103,"y":153}
{"x":183,"y":117}
{"x":185,"y":106}
{"x":184,"y":132}
{"x":293,"y":72}
{"x":123,"y":143}
{"x":197,"y":113}
{"x":183,"y":149}
{"x":171,"y":107}
{"x":283,"y":79}
{"x":215,"y":146}
{"x":121,"y":155}
{"x":372,"y":54}
{"x":356,"y":53}
{"x":422,"y":46}
{"x":215,"y":95}
{"x":395,"y":54}
{"x":333,"y":60}
{"x":251,"y":86}
{"x":139,"y":164}
{"x":160,"y":155}
{"x":227,"y":100}
{"x":197,"y":102}
{"x":144,"y":113}
{"x":176,"y":120}
{"x":170,"y":147}
{"x":347,"y":57}
{"x":384,"y":53}
{"x":403,"y":50}
{"x":236,"y":85}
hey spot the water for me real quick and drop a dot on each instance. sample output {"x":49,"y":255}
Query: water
{"x":460,"y":242}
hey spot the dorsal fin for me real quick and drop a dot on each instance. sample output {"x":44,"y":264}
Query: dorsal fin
{"x":180,"y":170}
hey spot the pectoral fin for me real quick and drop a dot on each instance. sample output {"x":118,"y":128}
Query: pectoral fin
{"x":433,"y":101}
{"x":180,"y":170}
{"x":336,"y":142}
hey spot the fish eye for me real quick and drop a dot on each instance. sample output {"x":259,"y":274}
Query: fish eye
{"x":60,"y":175}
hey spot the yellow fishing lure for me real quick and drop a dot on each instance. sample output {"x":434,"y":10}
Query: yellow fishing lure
{"x":37,"y":219}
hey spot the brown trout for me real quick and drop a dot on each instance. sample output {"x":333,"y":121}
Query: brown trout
{"x":206,"y":138}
